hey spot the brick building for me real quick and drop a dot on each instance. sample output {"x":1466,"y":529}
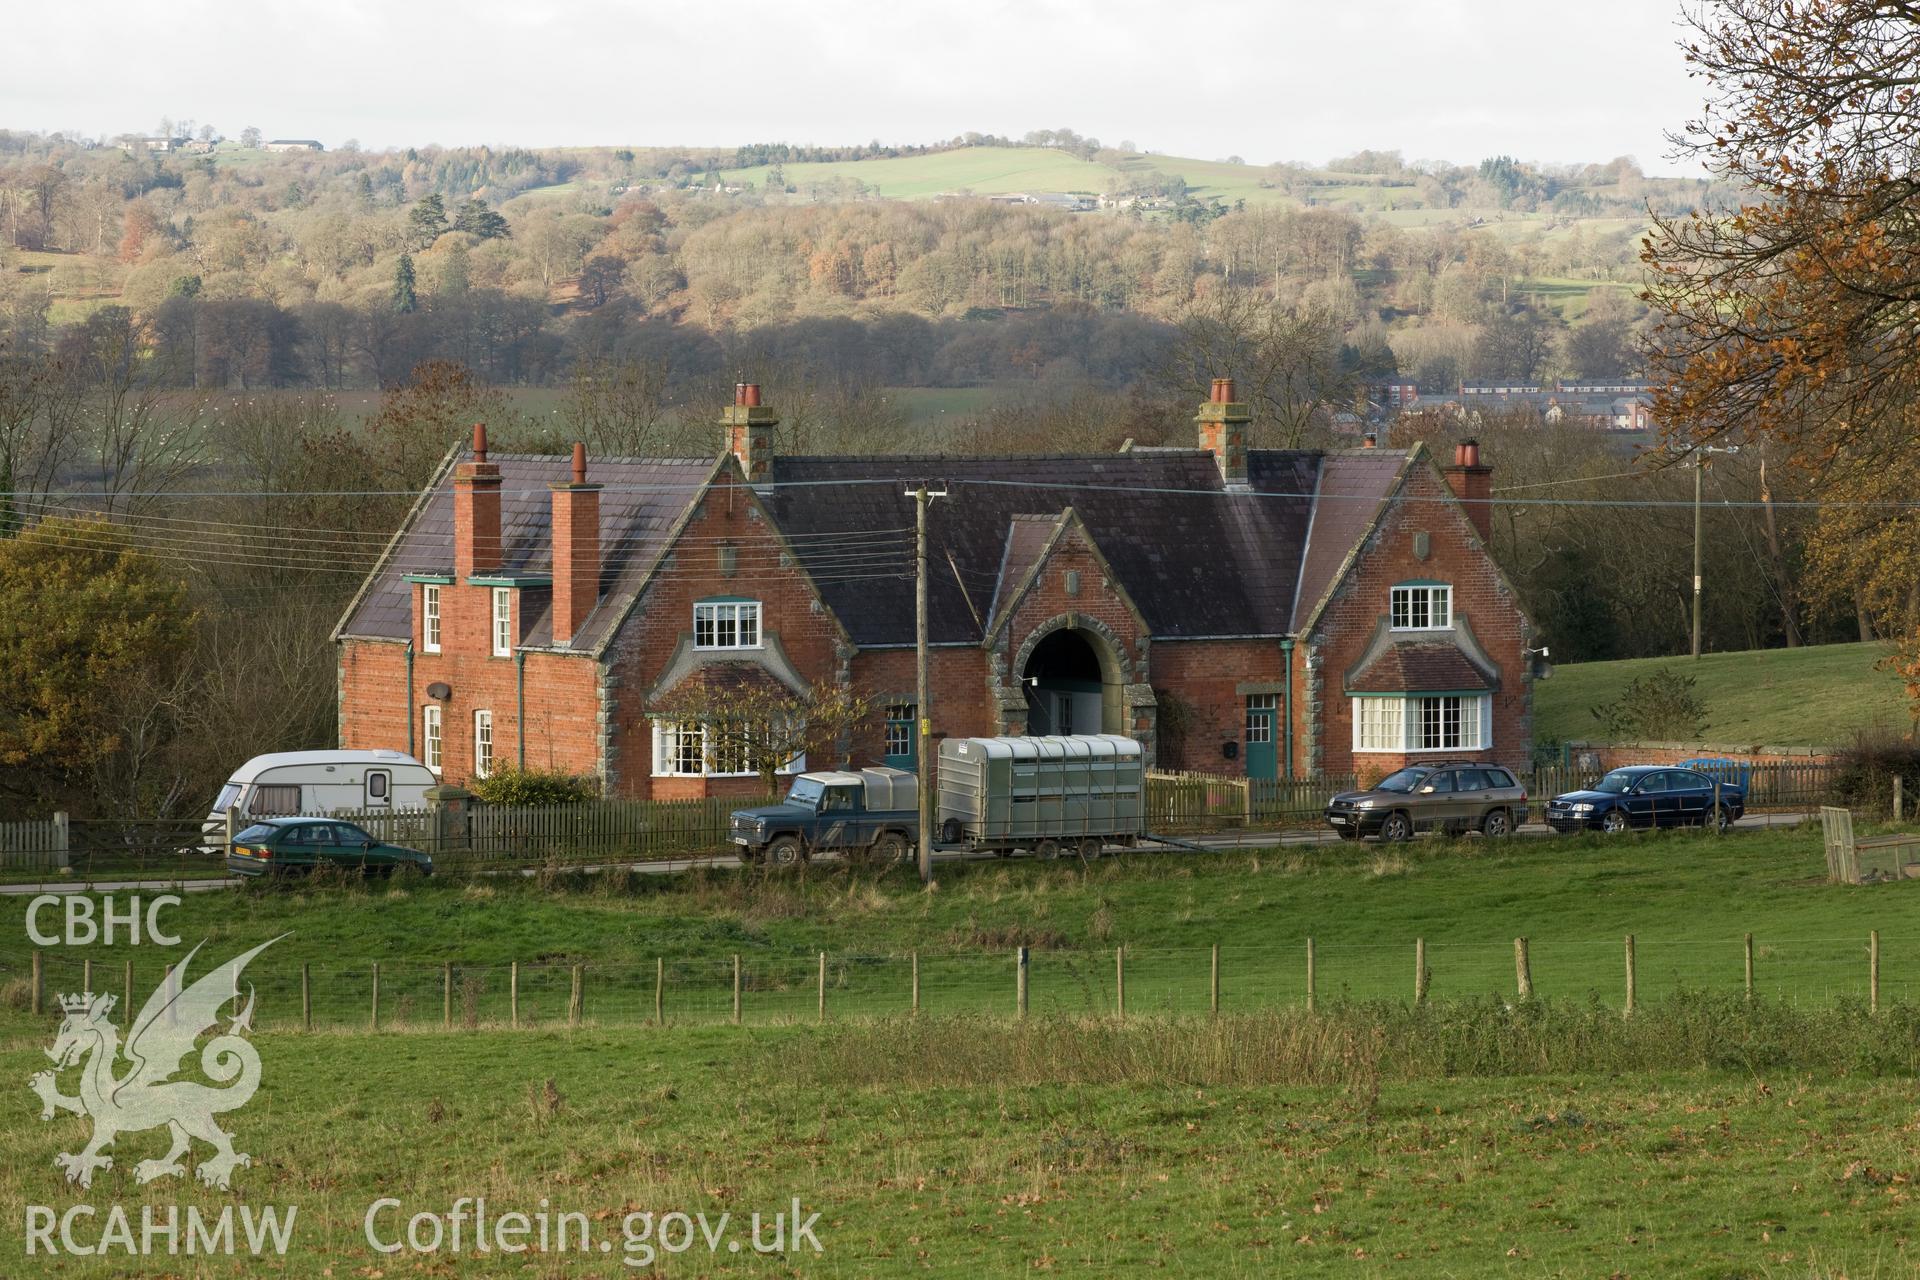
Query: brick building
{"x":1266,"y":612}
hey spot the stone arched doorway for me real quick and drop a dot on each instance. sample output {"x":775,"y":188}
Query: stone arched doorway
{"x":1073,"y":683}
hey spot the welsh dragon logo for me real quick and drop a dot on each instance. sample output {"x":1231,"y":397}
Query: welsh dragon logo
{"x":145,"y":1095}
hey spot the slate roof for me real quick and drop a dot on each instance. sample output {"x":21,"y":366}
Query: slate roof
{"x":641,"y":501}
{"x":1416,"y":667}
{"x":1196,"y":559}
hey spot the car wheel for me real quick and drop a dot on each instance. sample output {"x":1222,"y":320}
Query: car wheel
{"x":1722,"y":820}
{"x":890,"y":849}
{"x":1396,"y":828}
{"x":1614,"y":823}
{"x":1047,"y":850}
{"x":1091,"y":848}
{"x":786,"y":851}
{"x":1497,"y":824}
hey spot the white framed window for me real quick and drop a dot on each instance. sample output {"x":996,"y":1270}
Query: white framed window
{"x":726,"y":624}
{"x":430,"y":736}
{"x":1421,"y":606}
{"x":430,"y":617}
{"x":503,"y":622}
{"x":1423,"y":722}
{"x":900,"y":728}
{"x":482,"y":743}
{"x":1260,"y":715}
{"x":681,"y":751}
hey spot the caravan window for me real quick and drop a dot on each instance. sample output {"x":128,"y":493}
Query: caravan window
{"x":228,"y":794}
{"x":377,"y":781}
{"x":277,"y":801}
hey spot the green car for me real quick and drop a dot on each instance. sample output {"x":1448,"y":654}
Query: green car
{"x":287,"y":845}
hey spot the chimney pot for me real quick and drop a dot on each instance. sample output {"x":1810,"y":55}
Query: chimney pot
{"x":479,"y":442}
{"x":1369,"y":441}
{"x":739,"y":393}
{"x":753,"y":395}
{"x":579,"y":462}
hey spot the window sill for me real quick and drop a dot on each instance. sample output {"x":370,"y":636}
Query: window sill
{"x":728,"y":648}
{"x":1406,"y":630}
{"x":1415,"y":751}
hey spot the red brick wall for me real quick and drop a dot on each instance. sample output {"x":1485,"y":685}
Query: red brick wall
{"x":562,"y":702}
{"x":1206,"y":675}
{"x":1456,"y":555}
{"x":1615,"y":755}
{"x":957,"y":681}
{"x":1099,"y":609}
{"x":646,"y":646}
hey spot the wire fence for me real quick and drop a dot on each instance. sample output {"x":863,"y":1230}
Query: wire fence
{"x":1125,"y":981}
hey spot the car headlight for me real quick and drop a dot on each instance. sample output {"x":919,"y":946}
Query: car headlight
{"x":1583,"y":807}
{"x":1364,"y":804}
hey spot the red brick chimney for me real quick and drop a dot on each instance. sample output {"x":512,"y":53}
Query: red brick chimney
{"x":476,"y":512}
{"x":749,"y":432}
{"x":576,"y":549}
{"x":1472,"y":483}
{"x":1223,"y":423}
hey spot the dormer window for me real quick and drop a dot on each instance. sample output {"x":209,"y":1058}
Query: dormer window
{"x":1421,"y":606}
{"x":726,"y":624}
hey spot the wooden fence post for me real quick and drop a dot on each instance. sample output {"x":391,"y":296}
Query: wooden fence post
{"x":1020,"y":981}
{"x":446,"y":997}
{"x":1522,"y":969}
{"x":63,"y":840}
{"x":1213,"y":983}
{"x":513,"y":994}
{"x":1633,"y":978}
{"x":306,"y":996}
{"x":38,"y":980}
{"x":1120,"y":981}
{"x":126,"y":986}
{"x":736,"y":988}
{"x":1310,"y":975}
{"x":166,"y":977}
{"x":1899,"y":800}
{"x":1421,"y":976}
{"x":86,"y":976}
{"x":1714,"y":817}
{"x":823,"y":986}
{"x":574,"y":1002}
{"x":1749,"y":966}
{"x":916,"y":981}
{"x":660,"y":991}
{"x":1873,"y":971}
{"x":373,"y":1019}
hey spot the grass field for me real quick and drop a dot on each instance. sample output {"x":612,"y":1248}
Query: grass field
{"x":1093,"y":1170}
{"x":981,"y":170}
{"x":1704,"y":1136}
{"x":1820,"y":695}
{"x":1688,"y":898}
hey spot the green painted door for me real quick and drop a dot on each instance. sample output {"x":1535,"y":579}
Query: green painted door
{"x":1263,"y":759}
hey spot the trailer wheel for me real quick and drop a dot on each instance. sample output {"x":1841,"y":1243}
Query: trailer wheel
{"x":1047,"y":850}
{"x":1092,"y":847}
{"x":952,"y":831}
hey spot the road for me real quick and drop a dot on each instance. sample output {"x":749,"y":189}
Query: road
{"x":1222,"y":842}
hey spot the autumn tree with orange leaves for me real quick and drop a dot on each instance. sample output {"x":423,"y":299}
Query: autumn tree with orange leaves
{"x":1794,"y":322}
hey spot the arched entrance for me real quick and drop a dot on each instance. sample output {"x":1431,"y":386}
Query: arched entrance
{"x":1072,"y":684}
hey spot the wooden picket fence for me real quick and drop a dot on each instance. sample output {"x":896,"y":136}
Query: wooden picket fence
{"x":37,"y":845}
{"x":628,"y":829}
{"x":1189,"y":802}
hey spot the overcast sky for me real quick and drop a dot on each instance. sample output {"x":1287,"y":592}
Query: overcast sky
{"x":1281,"y":80}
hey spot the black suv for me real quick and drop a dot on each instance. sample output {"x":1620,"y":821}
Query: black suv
{"x":1447,"y":796}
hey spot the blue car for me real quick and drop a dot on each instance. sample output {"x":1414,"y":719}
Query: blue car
{"x":1647,"y":795}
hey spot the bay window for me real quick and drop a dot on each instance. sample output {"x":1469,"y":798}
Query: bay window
{"x":1404,"y":723}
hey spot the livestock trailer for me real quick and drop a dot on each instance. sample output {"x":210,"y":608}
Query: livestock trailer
{"x":1073,"y":793}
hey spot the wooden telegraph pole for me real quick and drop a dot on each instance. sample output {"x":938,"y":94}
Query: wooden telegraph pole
{"x":923,"y":709}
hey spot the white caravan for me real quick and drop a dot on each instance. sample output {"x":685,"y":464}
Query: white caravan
{"x":318,"y":782}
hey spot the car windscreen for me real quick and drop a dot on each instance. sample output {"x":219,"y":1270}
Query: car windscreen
{"x":806,"y":792}
{"x":1616,"y":782}
{"x":257,"y":832}
{"x":1403,"y":780}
